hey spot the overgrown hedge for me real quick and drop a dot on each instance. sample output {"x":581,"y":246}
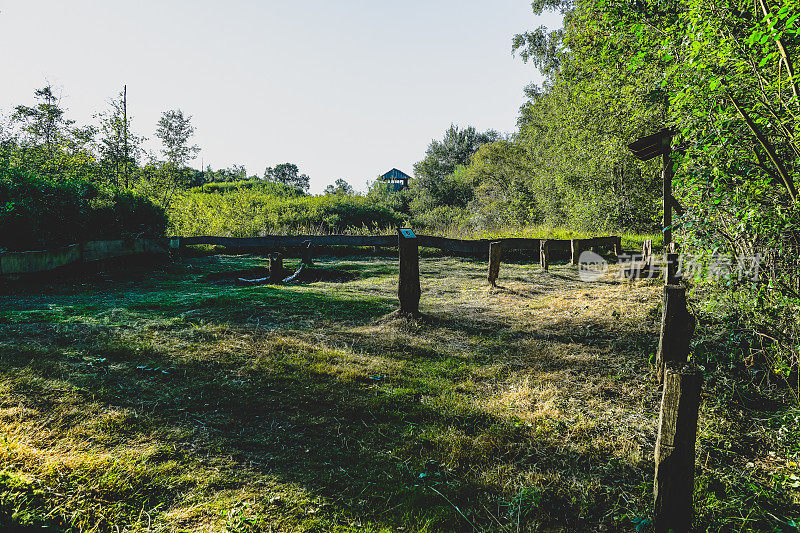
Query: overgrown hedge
{"x":37,"y":213}
{"x":250,"y":212}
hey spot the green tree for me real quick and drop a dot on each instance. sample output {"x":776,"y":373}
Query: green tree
{"x":288,"y":174}
{"x":49,"y":143}
{"x":175,"y":131}
{"x":119,"y":148}
{"x":434,"y":184}
{"x":339,"y":188}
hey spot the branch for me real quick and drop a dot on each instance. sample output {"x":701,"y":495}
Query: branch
{"x":786,"y":61}
{"x":784,"y":175}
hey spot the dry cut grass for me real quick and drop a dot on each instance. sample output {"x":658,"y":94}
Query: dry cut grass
{"x":154,"y":398}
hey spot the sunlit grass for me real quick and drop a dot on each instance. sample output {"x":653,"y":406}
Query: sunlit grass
{"x":153,"y":398}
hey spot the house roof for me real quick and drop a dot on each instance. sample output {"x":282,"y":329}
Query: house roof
{"x":395,"y":174}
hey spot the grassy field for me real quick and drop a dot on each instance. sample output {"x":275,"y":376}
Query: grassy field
{"x":158,"y":397}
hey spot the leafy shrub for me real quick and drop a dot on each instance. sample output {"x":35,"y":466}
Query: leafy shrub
{"x":38,"y":213}
{"x":268,"y":187}
{"x":250,"y":212}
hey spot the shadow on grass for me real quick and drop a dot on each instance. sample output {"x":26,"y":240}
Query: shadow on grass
{"x":380,"y":451}
{"x":370,"y":453}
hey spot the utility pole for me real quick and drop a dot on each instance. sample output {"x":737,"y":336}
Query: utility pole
{"x":125,"y":129}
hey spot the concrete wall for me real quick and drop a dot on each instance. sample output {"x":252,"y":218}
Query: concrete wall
{"x":43,"y":260}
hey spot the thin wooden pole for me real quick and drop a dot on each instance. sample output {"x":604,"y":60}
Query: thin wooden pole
{"x":544,"y":254}
{"x":125,"y":129}
{"x":675,"y":450}
{"x":408,"y":290}
{"x":495,"y":250}
{"x":666,"y":178}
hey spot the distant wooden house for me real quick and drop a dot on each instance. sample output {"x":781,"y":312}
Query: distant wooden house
{"x":395,"y":179}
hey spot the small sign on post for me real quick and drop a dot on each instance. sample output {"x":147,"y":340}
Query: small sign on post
{"x":408,"y":290}
{"x":495,"y":249}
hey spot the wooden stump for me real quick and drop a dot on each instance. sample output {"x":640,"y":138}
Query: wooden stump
{"x":544,"y":254}
{"x":495,"y":250}
{"x":677,"y":326}
{"x":408,"y":290}
{"x":275,"y":267}
{"x":306,"y":254}
{"x":577,"y":246}
{"x":675,"y":450}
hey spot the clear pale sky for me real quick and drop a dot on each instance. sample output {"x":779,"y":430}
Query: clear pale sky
{"x":345,"y":89}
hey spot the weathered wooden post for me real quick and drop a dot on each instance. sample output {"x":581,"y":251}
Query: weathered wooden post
{"x":671,"y":275}
{"x":275,"y":267}
{"x":675,"y":449}
{"x":677,"y":326}
{"x":577,"y":247}
{"x":495,"y":249}
{"x":408,"y":290}
{"x":544,"y":254}
{"x":617,"y":245}
{"x":647,"y":255}
{"x":306,"y":255}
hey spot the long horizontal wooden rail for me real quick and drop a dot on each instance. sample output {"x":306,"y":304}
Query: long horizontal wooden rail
{"x":472,"y":246}
{"x":43,"y":260}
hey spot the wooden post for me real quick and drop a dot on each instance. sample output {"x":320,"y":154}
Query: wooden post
{"x":408,"y":290}
{"x":305,"y":254}
{"x":275,"y":267}
{"x":544,"y":254}
{"x":647,"y":254}
{"x":666,"y":178}
{"x":675,"y":449}
{"x":617,"y":246}
{"x":671,"y":274}
{"x":676,"y":329}
{"x":577,"y":248}
{"x":495,"y":249}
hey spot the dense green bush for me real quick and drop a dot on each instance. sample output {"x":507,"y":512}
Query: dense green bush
{"x":250,"y":212}
{"x":268,"y":187}
{"x":37,"y":213}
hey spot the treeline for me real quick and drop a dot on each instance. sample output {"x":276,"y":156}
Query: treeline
{"x":722,"y":76}
{"x":62,"y":183}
